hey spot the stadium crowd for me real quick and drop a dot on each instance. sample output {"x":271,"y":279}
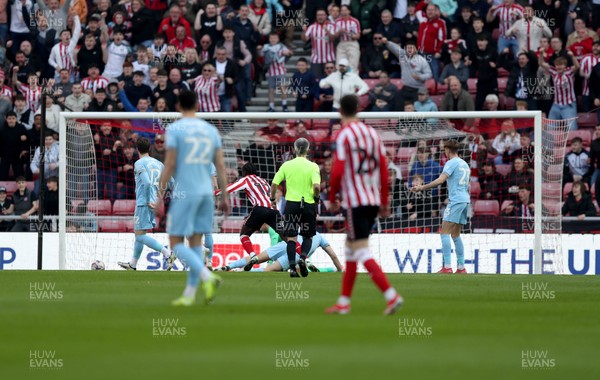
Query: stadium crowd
{"x":398,"y":55}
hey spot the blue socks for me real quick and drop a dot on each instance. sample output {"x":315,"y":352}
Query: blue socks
{"x":149,"y":242}
{"x":137,"y":249}
{"x":210,"y":244}
{"x":190,"y":258}
{"x":446,"y":250}
{"x":238,"y":263}
{"x":459,"y":248}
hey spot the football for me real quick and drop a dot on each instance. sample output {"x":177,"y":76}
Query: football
{"x":97,"y":265}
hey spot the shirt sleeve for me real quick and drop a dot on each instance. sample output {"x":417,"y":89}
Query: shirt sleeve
{"x":171,"y":139}
{"x":449,"y":168}
{"x":316,"y":174}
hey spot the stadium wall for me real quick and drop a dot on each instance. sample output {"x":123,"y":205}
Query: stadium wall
{"x":485,"y":253}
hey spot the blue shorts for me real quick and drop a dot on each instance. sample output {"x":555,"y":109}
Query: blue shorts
{"x":143,"y":218}
{"x":276,"y":251}
{"x":285,"y":262}
{"x":456,"y":213}
{"x":189,"y":216}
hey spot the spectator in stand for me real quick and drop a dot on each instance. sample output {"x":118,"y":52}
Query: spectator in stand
{"x":490,"y":182}
{"x":59,"y":14}
{"x":595,"y":161}
{"x":519,"y":175}
{"x":426,"y":167}
{"x":376,"y":59}
{"x":525,"y":152}
{"x":227,"y":72}
{"x":206,"y":88}
{"x":425,"y":104}
{"x":382,"y":98}
{"x":169,"y":25}
{"x":63,"y":87}
{"x":556,"y":46}
{"x":529,"y":30}
{"x":573,"y":9}
{"x":259,"y":16}
{"x":409,"y":24}
{"x":138,"y":90}
{"x":489,"y":128}
{"x":582,"y":45}
{"x":578,"y":163}
{"x":303,"y":86}
{"x":455,"y":68}
{"x":522,"y":81}
{"x":13,"y":147}
{"x":507,"y":142}
{"x":142,"y":24}
{"x":116,"y":54}
{"x":247,"y":33}
{"x":26,"y":204}
{"x":91,"y":54}
{"x":52,"y":115}
{"x":32,"y":91}
{"x":484,"y":61}
{"x":368,"y":14}
{"x":238,"y":52}
{"x":343,"y":83}
{"x":19,"y":29}
{"x":206,"y":51}
{"x":464,"y":18}
{"x":457,"y":99}
{"x":164,"y":90}
{"x":209,"y":22}
{"x":565,"y":101}
{"x":587,"y":65}
{"x":176,"y":81}
{"x":455,"y":42}
{"x":275,"y":54}
{"x":581,"y":32}
{"x":181,"y":40}
{"x":507,"y":13}
{"x":550,"y":11}
{"x":261,"y":154}
{"x":62,"y":54}
{"x":390,"y":29}
{"x":348,"y":32}
{"x":157,"y":150}
{"x":523,"y":206}
{"x":418,"y":206}
{"x":321,"y":35}
{"x":431,"y":37}
{"x":51,"y":160}
{"x":415,"y":70}
{"x":271,"y":131}
{"x":34,"y":134}
{"x":158,"y":49}
{"x":4,"y":89}
{"x":101,"y":103}
{"x":579,"y":202}
{"x":127,"y":76}
{"x":24,"y":114}
{"x":335,"y":226}
{"x":125,"y":177}
{"x":51,"y":203}
{"x":77,"y":101}
{"x":7,"y":208}
{"x":325,"y":95}
{"x":106,"y":146}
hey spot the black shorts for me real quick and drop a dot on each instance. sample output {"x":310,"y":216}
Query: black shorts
{"x":301,"y":217}
{"x":359,"y":222}
{"x":263,"y":215}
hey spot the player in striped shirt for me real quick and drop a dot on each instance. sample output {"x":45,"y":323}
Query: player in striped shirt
{"x":322,"y":34}
{"x":94,"y":81}
{"x":275,"y":54}
{"x":508,"y":12}
{"x":206,"y":88}
{"x":565,"y":101}
{"x":587,"y":64}
{"x":257,"y":191}
{"x":360,"y":174}
{"x":62,"y":54}
{"x":347,"y":29}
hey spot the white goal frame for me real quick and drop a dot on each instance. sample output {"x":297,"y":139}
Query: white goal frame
{"x":536,"y":115}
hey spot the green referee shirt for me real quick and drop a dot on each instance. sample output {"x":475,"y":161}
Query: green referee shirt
{"x":300,"y":175}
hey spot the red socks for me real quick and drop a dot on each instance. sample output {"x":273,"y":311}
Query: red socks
{"x":247,"y":244}
{"x":377,"y":274}
{"x":349,"y":278}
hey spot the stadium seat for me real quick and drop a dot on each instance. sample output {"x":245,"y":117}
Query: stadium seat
{"x":412,"y":230}
{"x":587,"y":120}
{"x":431,"y":87}
{"x":503,"y":170}
{"x":11,"y":186}
{"x":474,"y":189}
{"x":232,"y":225}
{"x":363,"y":102}
{"x":100,"y":207}
{"x":441,"y":89}
{"x":318,"y":135}
{"x":321,"y":124}
{"x":472,"y":85}
{"x":553,"y":207}
{"x":502,"y":84}
{"x":567,"y":189}
{"x":551,"y":190}
{"x":75,"y":203}
{"x":112,"y":225}
{"x":398,"y":83}
{"x":124,"y":207}
{"x":554,"y":172}
{"x":405,"y":153}
{"x":584,"y":134}
{"x":502,"y":73}
{"x":371,"y":83}
{"x":487,"y":208}
{"x":437,"y":99}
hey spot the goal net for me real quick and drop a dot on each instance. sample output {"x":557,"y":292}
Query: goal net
{"x":516,"y":191}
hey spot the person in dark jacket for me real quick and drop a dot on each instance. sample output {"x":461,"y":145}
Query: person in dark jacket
{"x":490,"y":181}
{"x":579,"y":202}
{"x":577,"y":163}
{"x":522,"y":79}
{"x":228,"y":71}
{"x":138,"y":90}
{"x":377,"y":58}
{"x":519,"y":175}
{"x":303,"y":86}
{"x":106,"y":146}
{"x":101,"y":103}
{"x":143,"y":24}
{"x":164,"y":89}
{"x":14,"y":144}
{"x":484,"y":58}
{"x":409,"y":25}
{"x":595,"y":161}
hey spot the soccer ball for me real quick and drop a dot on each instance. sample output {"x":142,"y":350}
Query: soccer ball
{"x":98,"y":265}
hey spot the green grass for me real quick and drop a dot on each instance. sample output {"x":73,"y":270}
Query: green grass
{"x":480,"y":325}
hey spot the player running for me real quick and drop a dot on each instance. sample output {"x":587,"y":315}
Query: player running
{"x":457,"y":172}
{"x":147,"y":171}
{"x":192,"y":144}
{"x":278,"y":253}
{"x":257,"y":190}
{"x":360,"y":174}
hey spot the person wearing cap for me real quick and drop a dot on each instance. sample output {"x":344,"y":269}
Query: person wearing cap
{"x":383,"y":96}
{"x":4,"y":89}
{"x":7,"y":208}
{"x":344,"y":82}
{"x":415,"y":69}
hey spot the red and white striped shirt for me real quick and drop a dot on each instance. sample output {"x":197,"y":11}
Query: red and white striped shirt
{"x":322,"y":47}
{"x":587,"y":64}
{"x":66,"y":61}
{"x":32,"y":96}
{"x":94,"y":84}
{"x":277,"y":58}
{"x":6,"y":91}
{"x":564,"y":86}
{"x":207,"y":92}
{"x":507,"y":15}
{"x":351,"y":25}
{"x":360,"y":167}
{"x":257,"y":190}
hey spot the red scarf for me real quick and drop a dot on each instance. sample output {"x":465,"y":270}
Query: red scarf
{"x":258,"y":12}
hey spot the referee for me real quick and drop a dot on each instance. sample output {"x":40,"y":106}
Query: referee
{"x":303,"y":184}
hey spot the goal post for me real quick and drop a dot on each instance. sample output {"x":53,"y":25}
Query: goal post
{"x":396,"y":128}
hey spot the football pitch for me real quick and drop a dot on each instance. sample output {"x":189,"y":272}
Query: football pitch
{"x":120,"y":325}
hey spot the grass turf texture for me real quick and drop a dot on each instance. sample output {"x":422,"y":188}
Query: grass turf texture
{"x":102,"y":328}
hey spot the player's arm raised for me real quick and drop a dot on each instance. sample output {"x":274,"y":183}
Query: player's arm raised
{"x":224,"y":205}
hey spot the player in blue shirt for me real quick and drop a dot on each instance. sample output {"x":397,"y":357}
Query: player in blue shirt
{"x":209,"y":243}
{"x":278,"y":253}
{"x":457,"y":172}
{"x":147,"y":171}
{"x":192,"y":145}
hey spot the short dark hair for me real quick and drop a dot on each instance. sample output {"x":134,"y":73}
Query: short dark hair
{"x":187,"y":100}
{"x":162,"y":73}
{"x":349,"y":105}
{"x":248,"y":169}
{"x":577,"y":139}
{"x":452,"y":145}
{"x":100,"y":91}
{"x":143,"y":145}
{"x":482,"y":37}
{"x":302,"y":59}
{"x":560,"y":61}
{"x":410,"y":42}
{"x":52,"y":179}
{"x":20,"y":179}
{"x":11,"y":113}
